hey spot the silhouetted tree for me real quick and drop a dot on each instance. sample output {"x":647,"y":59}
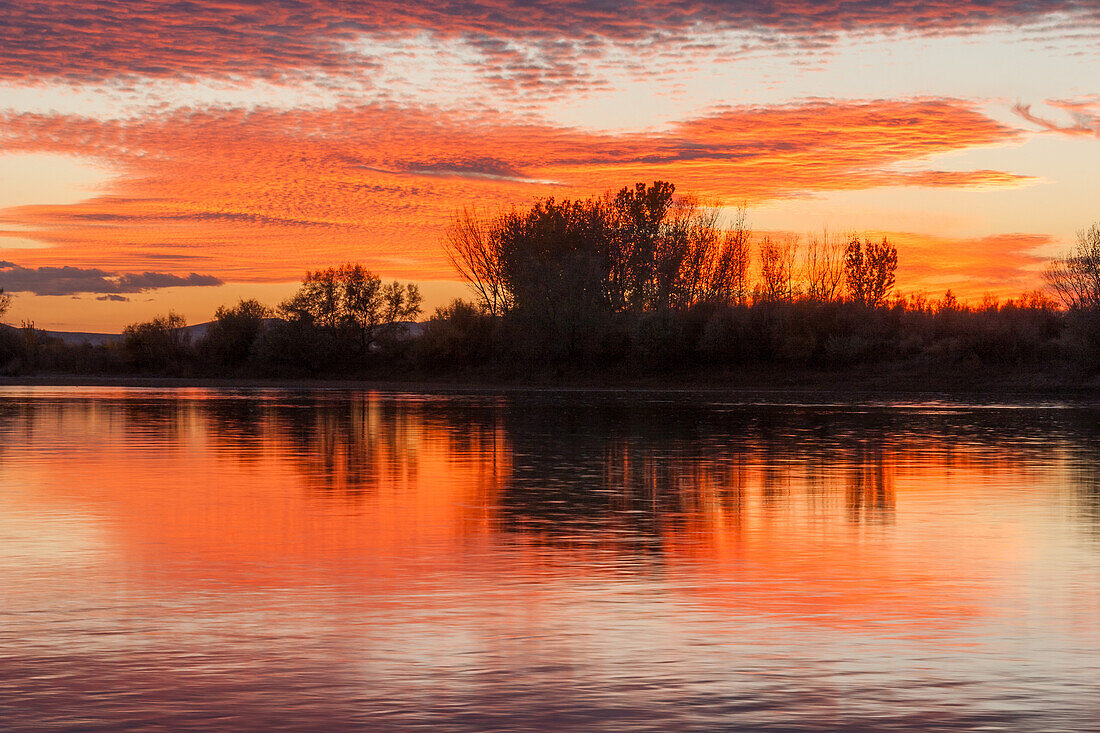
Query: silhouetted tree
{"x":729,"y":275}
{"x":351,"y":305}
{"x":669,"y":253}
{"x":229,"y":339}
{"x":640,"y":250}
{"x":692,"y":245}
{"x":5,"y":302}
{"x":777,"y":263}
{"x":824,"y":267}
{"x":949,"y":303}
{"x":459,"y":334}
{"x":1075,"y":276}
{"x":160,"y":344}
{"x":472,"y":244}
{"x":637,"y":253}
{"x":555,"y":261}
{"x":869,"y":270}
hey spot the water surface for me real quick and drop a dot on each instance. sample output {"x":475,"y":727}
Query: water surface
{"x":333,"y":560}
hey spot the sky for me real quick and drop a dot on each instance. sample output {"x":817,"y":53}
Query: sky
{"x":161,"y":156}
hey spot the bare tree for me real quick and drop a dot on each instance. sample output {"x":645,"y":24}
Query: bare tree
{"x":869,"y":269}
{"x":777,"y":269}
{"x":5,"y":302}
{"x":1075,"y":276}
{"x":729,"y":277}
{"x":695,"y":239}
{"x":823,"y":266}
{"x":472,"y":244}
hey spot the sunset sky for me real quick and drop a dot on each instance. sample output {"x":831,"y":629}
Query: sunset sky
{"x":180,"y":155}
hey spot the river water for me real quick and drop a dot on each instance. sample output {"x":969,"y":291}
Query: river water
{"x":335,"y":560}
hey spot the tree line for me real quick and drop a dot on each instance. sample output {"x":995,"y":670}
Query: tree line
{"x":340,"y":320}
{"x":644,"y":249}
{"x":637,"y":281}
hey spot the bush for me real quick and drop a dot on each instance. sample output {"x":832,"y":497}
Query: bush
{"x":161,"y":345}
{"x":229,"y":340}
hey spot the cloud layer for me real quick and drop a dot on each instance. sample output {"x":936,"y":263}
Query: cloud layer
{"x":1002,"y":265}
{"x":67,"y":280}
{"x":98,"y":39}
{"x":264,"y":194}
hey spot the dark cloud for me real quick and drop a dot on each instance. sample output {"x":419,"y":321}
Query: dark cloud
{"x":114,"y":298}
{"x":525,"y":43}
{"x":71,"y":280}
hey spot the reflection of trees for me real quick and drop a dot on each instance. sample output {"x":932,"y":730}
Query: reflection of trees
{"x":633,"y":474}
{"x":1085,"y":468}
{"x":870,"y":495}
{"x":619,"y":472}
{"x":352,"y":444}
{"x":236,"y":425}
{"x":16,"y":424}
{"x":349,"y":446}
{"x":155,"y":420}
{"x":615,"y":473}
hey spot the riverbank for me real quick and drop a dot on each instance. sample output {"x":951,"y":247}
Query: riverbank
{"x":773,"y":383}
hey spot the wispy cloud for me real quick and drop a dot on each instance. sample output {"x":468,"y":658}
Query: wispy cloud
{"x":1084,"y":115}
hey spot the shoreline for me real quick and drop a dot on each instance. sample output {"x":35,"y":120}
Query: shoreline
{"x":847,"y":387}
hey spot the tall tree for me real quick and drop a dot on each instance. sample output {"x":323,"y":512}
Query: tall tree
{"x":642,"y":249}
{"x":869,"y":269}
{"x":472,"y":243}
{"x":5,"y":302}
{"x":824,"y":266}
{"x":229,"y":339}
{"x":777,"y":266}
{"x":729,"y":275}
{"x":159,"y":344}
{"x":640,"y":214}
{"x":351,"y":304}
{"x":1075,"y":276}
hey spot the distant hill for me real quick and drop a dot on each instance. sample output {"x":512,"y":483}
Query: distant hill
{"x":74,"y":338}
{"x":197,"y":331}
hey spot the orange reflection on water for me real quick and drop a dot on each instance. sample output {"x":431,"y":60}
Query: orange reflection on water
{"x":384,"y":494}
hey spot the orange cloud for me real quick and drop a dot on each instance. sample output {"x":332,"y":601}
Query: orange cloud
{"x":264,"y":194}
{"x":1002,"y":265}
